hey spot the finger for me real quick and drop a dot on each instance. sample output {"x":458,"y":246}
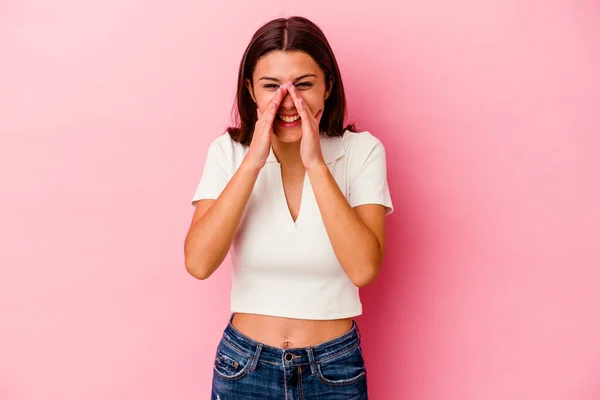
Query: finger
{"x":280,"y":95}
{"x":299,"y":102}
{"x":319,"y":116}
{"x":258,"y":113}
{"x":275,"y":103}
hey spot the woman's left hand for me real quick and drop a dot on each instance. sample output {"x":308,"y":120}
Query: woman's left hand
{"x":310,"y":144}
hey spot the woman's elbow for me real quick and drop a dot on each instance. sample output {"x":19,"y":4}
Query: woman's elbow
{"x":197,"y":270}
{"x":363,"y":279}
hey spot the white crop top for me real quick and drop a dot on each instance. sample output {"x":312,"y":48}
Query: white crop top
{"x":285,"y":268}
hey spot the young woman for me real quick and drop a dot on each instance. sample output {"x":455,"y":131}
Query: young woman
{"x":301,"y":200}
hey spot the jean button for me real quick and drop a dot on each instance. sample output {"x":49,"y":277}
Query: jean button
{"x":289,"y":357}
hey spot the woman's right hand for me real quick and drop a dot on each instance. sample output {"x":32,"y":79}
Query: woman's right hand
{"x":260,"y":146}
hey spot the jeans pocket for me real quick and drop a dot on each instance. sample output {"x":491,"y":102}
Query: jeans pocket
{"x":345,"y":369}
{"x":229,"y":363}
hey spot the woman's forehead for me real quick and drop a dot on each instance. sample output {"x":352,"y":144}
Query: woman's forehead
{"x":286,"y":65}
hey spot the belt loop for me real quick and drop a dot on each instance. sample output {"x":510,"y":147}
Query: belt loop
{"x":311,"y":360}
{"x":256,"y":357}
{"x":357,"y":332}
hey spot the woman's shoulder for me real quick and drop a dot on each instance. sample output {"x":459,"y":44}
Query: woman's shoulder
{"x":358,"y":145}
{"x":225,"y":141}
{"x":362,"y":138}
{"x":227,"y":148}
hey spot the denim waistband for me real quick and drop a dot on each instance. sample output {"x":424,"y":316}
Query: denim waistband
{"x":260,"y":352}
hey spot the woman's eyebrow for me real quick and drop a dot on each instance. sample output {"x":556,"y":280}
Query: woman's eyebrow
{"x":268,"y":78}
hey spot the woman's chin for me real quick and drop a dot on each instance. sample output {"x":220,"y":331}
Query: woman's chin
{"x":288,"y":135}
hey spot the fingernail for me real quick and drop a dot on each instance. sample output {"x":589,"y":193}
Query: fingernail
{"x":282,"y":86}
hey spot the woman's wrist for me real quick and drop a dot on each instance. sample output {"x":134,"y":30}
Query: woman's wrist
{"x":317,"y":167}
{"x":248,"y":167}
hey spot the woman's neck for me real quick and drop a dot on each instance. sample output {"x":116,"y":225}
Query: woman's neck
{"x":288,"y":154}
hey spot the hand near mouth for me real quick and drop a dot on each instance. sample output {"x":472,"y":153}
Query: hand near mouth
{"x":260,"y":146}
{"x":310,"y":143}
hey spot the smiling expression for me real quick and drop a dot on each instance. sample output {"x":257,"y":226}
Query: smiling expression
{"x":279,"y":67}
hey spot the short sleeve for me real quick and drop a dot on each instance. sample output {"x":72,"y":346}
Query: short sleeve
{"x":217,"y":170}
{"x":370,"y":185}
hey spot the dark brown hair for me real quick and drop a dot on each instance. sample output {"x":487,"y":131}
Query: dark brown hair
{"x":288,"y":34}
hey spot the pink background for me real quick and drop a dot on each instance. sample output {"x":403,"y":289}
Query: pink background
{"x":490,"y":113}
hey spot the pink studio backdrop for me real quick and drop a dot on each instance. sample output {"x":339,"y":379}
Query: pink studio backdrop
{"x":490,"y":113}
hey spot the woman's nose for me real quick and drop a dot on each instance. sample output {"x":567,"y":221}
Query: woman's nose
{"x":287,"y":101}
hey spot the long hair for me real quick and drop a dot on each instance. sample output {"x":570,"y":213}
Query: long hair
{"x":289,"y":34}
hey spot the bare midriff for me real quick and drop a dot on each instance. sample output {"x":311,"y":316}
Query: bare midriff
{"x":285,"y":333}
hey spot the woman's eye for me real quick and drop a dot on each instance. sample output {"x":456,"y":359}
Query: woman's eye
{"x":300,"y":85}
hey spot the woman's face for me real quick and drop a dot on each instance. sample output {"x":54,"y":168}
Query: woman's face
{"x":279,"y":67}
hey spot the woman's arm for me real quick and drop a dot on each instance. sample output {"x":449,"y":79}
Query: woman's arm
{"x":215,"y":221}
{"x":357,"y":235}
{"x":214,"y":224}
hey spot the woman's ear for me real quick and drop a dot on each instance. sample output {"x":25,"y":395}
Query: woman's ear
{"x":330,"y":85}
{"x":248,"y":85}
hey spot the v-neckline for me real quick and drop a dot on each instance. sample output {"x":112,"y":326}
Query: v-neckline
{"x":283,"y":196}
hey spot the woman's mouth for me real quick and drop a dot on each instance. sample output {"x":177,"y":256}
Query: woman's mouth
{"x":288,"y":121}
{"x":288,"y":118}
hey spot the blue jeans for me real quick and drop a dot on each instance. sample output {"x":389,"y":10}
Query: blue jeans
{"x":247,"y":369}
